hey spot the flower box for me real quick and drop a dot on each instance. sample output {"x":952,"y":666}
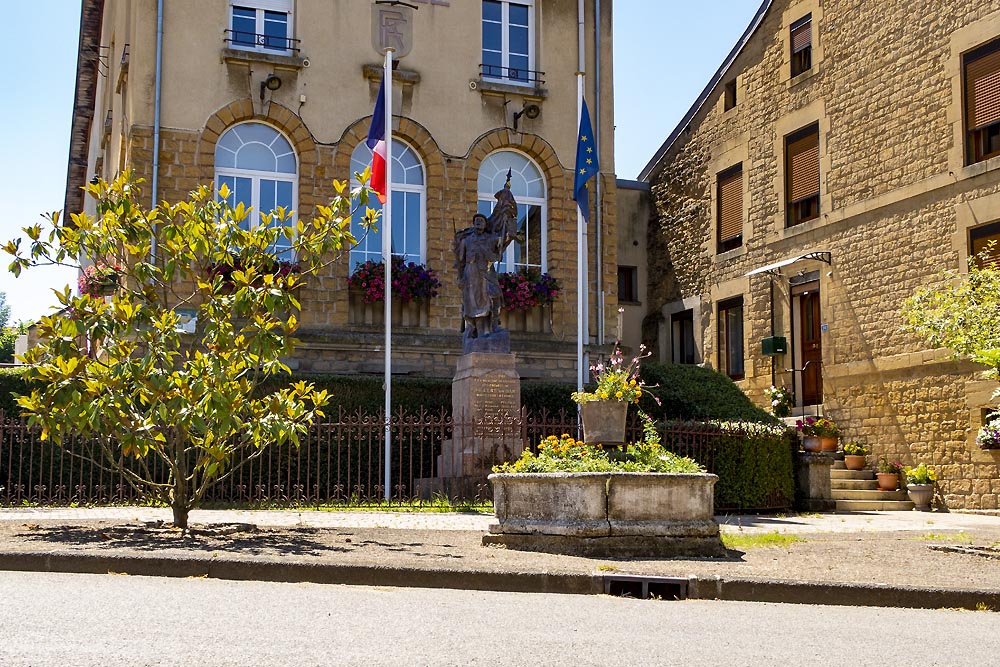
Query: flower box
{"x":606,"y":514}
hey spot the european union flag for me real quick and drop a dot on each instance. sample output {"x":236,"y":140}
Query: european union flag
{"x":586,"y":162}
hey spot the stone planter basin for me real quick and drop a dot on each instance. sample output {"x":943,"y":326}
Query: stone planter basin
{"x":606,"y":514}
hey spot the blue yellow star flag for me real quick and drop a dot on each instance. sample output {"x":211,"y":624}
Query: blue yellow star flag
{"x":586,"y":163}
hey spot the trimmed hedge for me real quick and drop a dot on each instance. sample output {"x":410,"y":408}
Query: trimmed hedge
{"x":694,"y":393}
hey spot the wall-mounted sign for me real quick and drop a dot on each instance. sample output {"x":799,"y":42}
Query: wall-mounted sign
{"x":392,"y":28}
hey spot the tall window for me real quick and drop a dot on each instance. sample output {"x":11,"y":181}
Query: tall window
{"x":682,"y":335}
{"x":409,"y":197}
{"x":801,"y":44}
{"x":980,"y":239}
{"x":508,"y":40}
{"x":528,"y":188}
{"x":730,"y":208}
{"x":258,"y":165}
{"x":261,"y":25}
{"x":802,"y":175}
{"x":731,"y":337}
{"x":982,"y":102}
{"x":628,"y":284}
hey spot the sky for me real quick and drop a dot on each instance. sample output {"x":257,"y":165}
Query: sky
{"x":665,"y":51}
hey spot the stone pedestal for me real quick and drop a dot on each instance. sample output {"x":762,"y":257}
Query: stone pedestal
{"x":813,"y":491}
{"x":486,"y":408}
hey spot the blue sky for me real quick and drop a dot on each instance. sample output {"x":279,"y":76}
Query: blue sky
{"x":665,"y":51}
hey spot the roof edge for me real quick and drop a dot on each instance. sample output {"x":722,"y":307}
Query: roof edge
{"x":84,"y":98}
{"x":654,"y":162}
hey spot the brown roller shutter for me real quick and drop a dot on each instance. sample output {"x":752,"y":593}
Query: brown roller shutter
{"x":803,"y":167}
{"x":982,"y":90}
{"x":730,"y":204}
{"x":802,"y":35}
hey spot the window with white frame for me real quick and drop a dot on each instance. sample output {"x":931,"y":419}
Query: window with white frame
{"x":261,"y":25}
{"x":259,"y":167}
{"x":528,"y":187}
{"x":409,"y":201}
{"x":508,"y":41}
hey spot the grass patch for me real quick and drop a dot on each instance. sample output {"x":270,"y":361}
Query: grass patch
{"x":756,"y":540}
{"x":940,"y":537}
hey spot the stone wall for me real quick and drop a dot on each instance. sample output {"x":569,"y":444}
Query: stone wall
{"x":896,"y":200}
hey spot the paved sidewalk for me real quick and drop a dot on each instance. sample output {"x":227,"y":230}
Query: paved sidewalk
{"x":879,"y":558}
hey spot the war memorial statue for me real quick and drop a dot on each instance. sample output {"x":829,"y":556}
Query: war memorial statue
{"x":477,"y":251}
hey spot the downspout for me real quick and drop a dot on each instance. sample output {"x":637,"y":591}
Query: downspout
{"x":600,"y":181}
{"x":156,"y":117}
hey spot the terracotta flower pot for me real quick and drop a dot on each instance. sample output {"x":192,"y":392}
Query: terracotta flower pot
{"x":811,"y":443}
{"x":603,"y":421}
{"x":921,"y":495}
{"x":887,"y":481}
{"x":828,"y":444}
{"x":854,"y":461}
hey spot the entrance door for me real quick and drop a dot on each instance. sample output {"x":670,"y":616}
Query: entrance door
{"x":811,"y":346}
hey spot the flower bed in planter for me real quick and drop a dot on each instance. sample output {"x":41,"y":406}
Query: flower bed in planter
{"x":576,"y":498}
{"x":605,"y":514}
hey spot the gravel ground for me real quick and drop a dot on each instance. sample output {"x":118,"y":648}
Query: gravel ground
{"x":947,"y":551}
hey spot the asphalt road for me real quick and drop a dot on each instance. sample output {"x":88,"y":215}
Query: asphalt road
{"x":110,"y":620}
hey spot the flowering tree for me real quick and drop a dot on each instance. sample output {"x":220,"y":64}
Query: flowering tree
{"x":172,"y":409}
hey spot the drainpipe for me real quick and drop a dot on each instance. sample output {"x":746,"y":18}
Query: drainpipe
{"x":600,"y":187}
{"x":156,"y":116}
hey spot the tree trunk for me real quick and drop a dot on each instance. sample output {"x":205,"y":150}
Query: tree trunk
{"x":180,"y":510}
{"x":179,"y":502}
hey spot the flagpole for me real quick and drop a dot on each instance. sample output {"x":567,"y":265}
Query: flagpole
{"x":387,"y":258}
{"x":581,"y":253}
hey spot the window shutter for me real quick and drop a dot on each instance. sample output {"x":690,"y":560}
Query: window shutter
{"x":803,"y":167}
{"x":730,"y":204}
{"x":982,"y":90}
{"x":802,"y":35}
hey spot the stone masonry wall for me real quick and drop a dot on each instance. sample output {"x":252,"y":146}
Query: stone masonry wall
{"x":884,"y":91}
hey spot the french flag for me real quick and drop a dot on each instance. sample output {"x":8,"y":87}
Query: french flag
{"x":376,"y":142}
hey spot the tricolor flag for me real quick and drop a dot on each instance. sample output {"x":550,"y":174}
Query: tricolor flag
{"x":376,"y":142}
{"x":586,"y":162}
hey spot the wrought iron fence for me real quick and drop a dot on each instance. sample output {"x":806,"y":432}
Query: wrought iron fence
{"x":433,"y":457}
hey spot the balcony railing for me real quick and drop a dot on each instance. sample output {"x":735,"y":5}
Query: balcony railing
{"x":249,"y":40}
{"x":511,"y":74}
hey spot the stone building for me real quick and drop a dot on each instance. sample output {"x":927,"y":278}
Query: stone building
{"x":274,"y":98}
{"x":843,"y":155}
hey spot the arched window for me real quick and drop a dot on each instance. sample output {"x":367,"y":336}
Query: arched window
{"x":409,"y":197}
{"x":528,"y":187}
{"x":259,"y":166}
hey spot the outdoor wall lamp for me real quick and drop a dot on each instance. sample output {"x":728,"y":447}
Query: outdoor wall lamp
{"x":530,"y":110}
{"x":271,"y":83}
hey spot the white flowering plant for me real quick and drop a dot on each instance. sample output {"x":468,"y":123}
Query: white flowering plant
{"x":780,"y":399}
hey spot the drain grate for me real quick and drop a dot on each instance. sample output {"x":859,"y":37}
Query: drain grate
{"x":644,"y":588}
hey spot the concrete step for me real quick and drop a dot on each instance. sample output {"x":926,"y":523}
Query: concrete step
{"x":874,"y":506}
{"x":867,"y":494}
{"x":851,"y":474}
{"x":854,"y":484}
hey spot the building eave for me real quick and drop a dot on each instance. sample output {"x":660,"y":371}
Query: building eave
{"x":84,"y":99}
{"x":654,"y":165}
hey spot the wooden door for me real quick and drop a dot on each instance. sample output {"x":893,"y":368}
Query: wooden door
{"x":812,"y":349}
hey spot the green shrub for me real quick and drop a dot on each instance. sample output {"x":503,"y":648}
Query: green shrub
{"x":12,"y":382}
{"x":693,"y":392}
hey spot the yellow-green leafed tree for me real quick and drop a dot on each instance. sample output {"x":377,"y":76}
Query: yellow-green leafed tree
{"x":184,"y":310}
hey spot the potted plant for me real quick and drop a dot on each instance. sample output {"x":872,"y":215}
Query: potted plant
{"x":920,"y":486}
{"x":603,"y":411}
{"x":888,"y":474}
{"x":633,"y":500}
{"x":99,"y":280}
{"x":410,"y":281}
{"x":818,"y":434}
{"x":527,"y":288}
{"x":780,"y":399}
{"x":854,"y":455}
{"x":989,"y":435}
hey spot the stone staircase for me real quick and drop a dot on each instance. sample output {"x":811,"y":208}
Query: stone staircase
{"x":857,"y":491}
